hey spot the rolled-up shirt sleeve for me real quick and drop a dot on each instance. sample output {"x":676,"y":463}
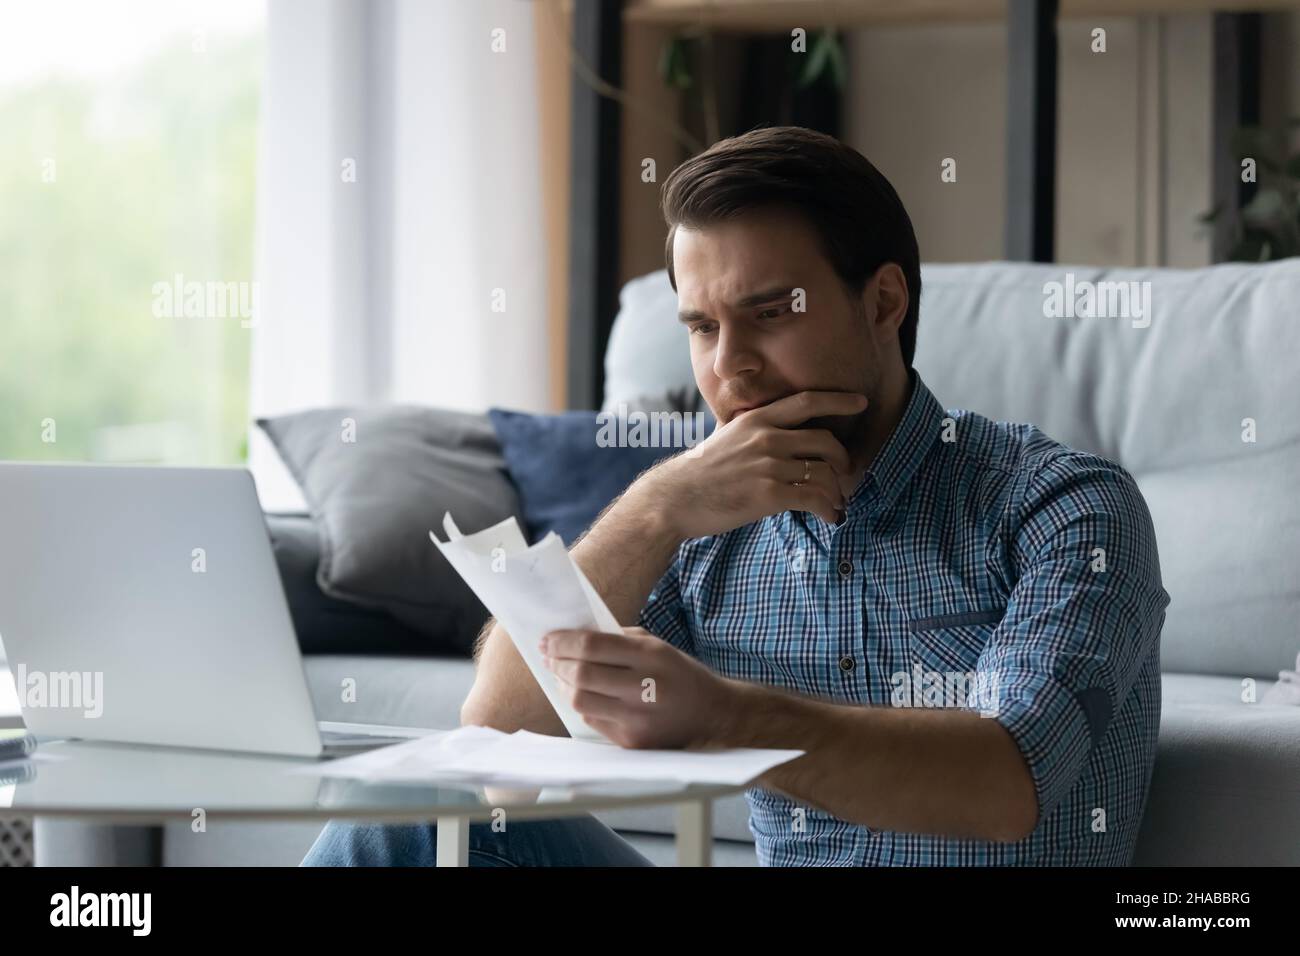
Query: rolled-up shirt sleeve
{"x":664,"y":614}
{"x":1082,"y":618}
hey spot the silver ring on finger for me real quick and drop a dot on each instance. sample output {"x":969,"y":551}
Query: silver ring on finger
{"x":807,"y":474}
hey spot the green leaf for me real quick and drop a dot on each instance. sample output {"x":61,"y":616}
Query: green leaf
{"x":1212,"y":215}
{"x":1264,"y":146}
{"x":1266,"y":206}
{"x":666,"y":59}
{"x":674,"y":64}
{"x":835,"y":58}
{"x":817,"y":59}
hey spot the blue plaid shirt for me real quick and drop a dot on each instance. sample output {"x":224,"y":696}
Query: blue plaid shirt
{"x":972,"y":551}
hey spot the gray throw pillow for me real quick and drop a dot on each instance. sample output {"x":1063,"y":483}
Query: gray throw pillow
{"x":378,"y":480}
{"x":324,"y":624}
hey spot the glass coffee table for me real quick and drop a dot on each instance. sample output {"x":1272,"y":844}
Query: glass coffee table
{"x":132,"y":784}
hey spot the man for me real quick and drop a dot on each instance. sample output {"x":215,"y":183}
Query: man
{"x":958,"y":620}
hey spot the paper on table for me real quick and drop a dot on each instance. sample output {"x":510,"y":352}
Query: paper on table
{"x":483,"y":755}
{"x":530,"y":591}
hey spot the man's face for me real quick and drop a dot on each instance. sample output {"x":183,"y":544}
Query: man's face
{"x":736,"y":295}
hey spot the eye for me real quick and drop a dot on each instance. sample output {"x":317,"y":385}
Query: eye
{"x":704,"y":328}
{"x":773,"y":312}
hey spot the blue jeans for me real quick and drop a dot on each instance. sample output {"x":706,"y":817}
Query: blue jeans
{"x":572,"y":841}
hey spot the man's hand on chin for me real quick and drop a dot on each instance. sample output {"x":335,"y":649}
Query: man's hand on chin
{"x":640,"y":691}
{"x":761,"y":462}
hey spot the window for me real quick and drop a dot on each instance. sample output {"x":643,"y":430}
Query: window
{"x":127,"y":176}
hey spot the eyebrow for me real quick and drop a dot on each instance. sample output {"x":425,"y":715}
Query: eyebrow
{"x":773,"y":294}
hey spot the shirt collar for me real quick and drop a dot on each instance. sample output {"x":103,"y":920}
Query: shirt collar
{"x":903,"y":452}
{"x":895,"y":464}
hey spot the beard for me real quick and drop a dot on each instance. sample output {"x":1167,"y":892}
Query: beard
{"x":849,"y":430}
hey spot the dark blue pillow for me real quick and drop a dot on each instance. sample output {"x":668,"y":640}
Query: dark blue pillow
{"x":563,"y":474}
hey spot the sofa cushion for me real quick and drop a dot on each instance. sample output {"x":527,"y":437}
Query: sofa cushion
{"x":1226,"y":785}
{"x":377,"y":480}
{"x":1165,"y":396}
{"x":565,"y":469}
{"x":648,"y":351}
{"x":396,"y":691}
{"x":324,"y":624}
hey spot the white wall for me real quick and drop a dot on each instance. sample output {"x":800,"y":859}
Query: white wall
{"x":378,"y":280}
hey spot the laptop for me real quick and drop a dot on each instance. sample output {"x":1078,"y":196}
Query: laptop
{"x":144,"y":605}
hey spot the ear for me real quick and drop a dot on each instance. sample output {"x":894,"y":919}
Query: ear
{"x":886,"y":291}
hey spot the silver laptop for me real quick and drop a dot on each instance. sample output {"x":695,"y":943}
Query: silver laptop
{"x":144,"y":605}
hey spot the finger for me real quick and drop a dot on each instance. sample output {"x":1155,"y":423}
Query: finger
{"x":813,"y":443}
{"x":798,"y":408}
{"x":590,"y":704}
{"x":611,"y":729}
{"x":810,"y":471}
{"x":601,"y":678}
{"x":812,"y":498}
{"x":820,"y":477}
{"x":594,"y":646}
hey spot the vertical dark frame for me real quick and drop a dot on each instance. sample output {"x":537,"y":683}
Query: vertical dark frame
{"x":1236,"y":104}
{"x":1030,"y":229}
{"x":768,"y":96}
{"x":594,"y":201}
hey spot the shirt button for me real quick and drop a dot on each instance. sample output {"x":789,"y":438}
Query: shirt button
{"x":847,"y":664}
{"x":846,"y":568}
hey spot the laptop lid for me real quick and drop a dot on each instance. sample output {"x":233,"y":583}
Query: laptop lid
{"x":144,"y":605}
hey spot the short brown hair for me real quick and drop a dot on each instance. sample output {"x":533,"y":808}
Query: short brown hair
{"x":853,"y":208}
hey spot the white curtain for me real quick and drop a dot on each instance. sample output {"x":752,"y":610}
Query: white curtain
{"x":399,"y":248}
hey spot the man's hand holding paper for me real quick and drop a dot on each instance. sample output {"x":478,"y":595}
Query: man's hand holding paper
{"x":638,"y":690}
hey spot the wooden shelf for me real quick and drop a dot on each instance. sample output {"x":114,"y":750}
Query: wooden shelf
{"x":781,"y":15}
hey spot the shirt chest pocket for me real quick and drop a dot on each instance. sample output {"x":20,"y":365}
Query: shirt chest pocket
{"x":953,"y":641}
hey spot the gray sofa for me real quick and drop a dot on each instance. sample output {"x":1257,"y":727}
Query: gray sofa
{"x":1166,"y":394}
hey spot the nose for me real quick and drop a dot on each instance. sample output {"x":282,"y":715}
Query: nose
{"x":735,"y":354}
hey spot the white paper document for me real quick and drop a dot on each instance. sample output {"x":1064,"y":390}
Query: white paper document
{"x":483,"y":755}
{"x":530,"y":591}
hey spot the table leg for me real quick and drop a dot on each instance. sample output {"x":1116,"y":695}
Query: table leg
{"x":695,"y":833}
{"x":453,"y":841}
{"x":64,"y":841}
